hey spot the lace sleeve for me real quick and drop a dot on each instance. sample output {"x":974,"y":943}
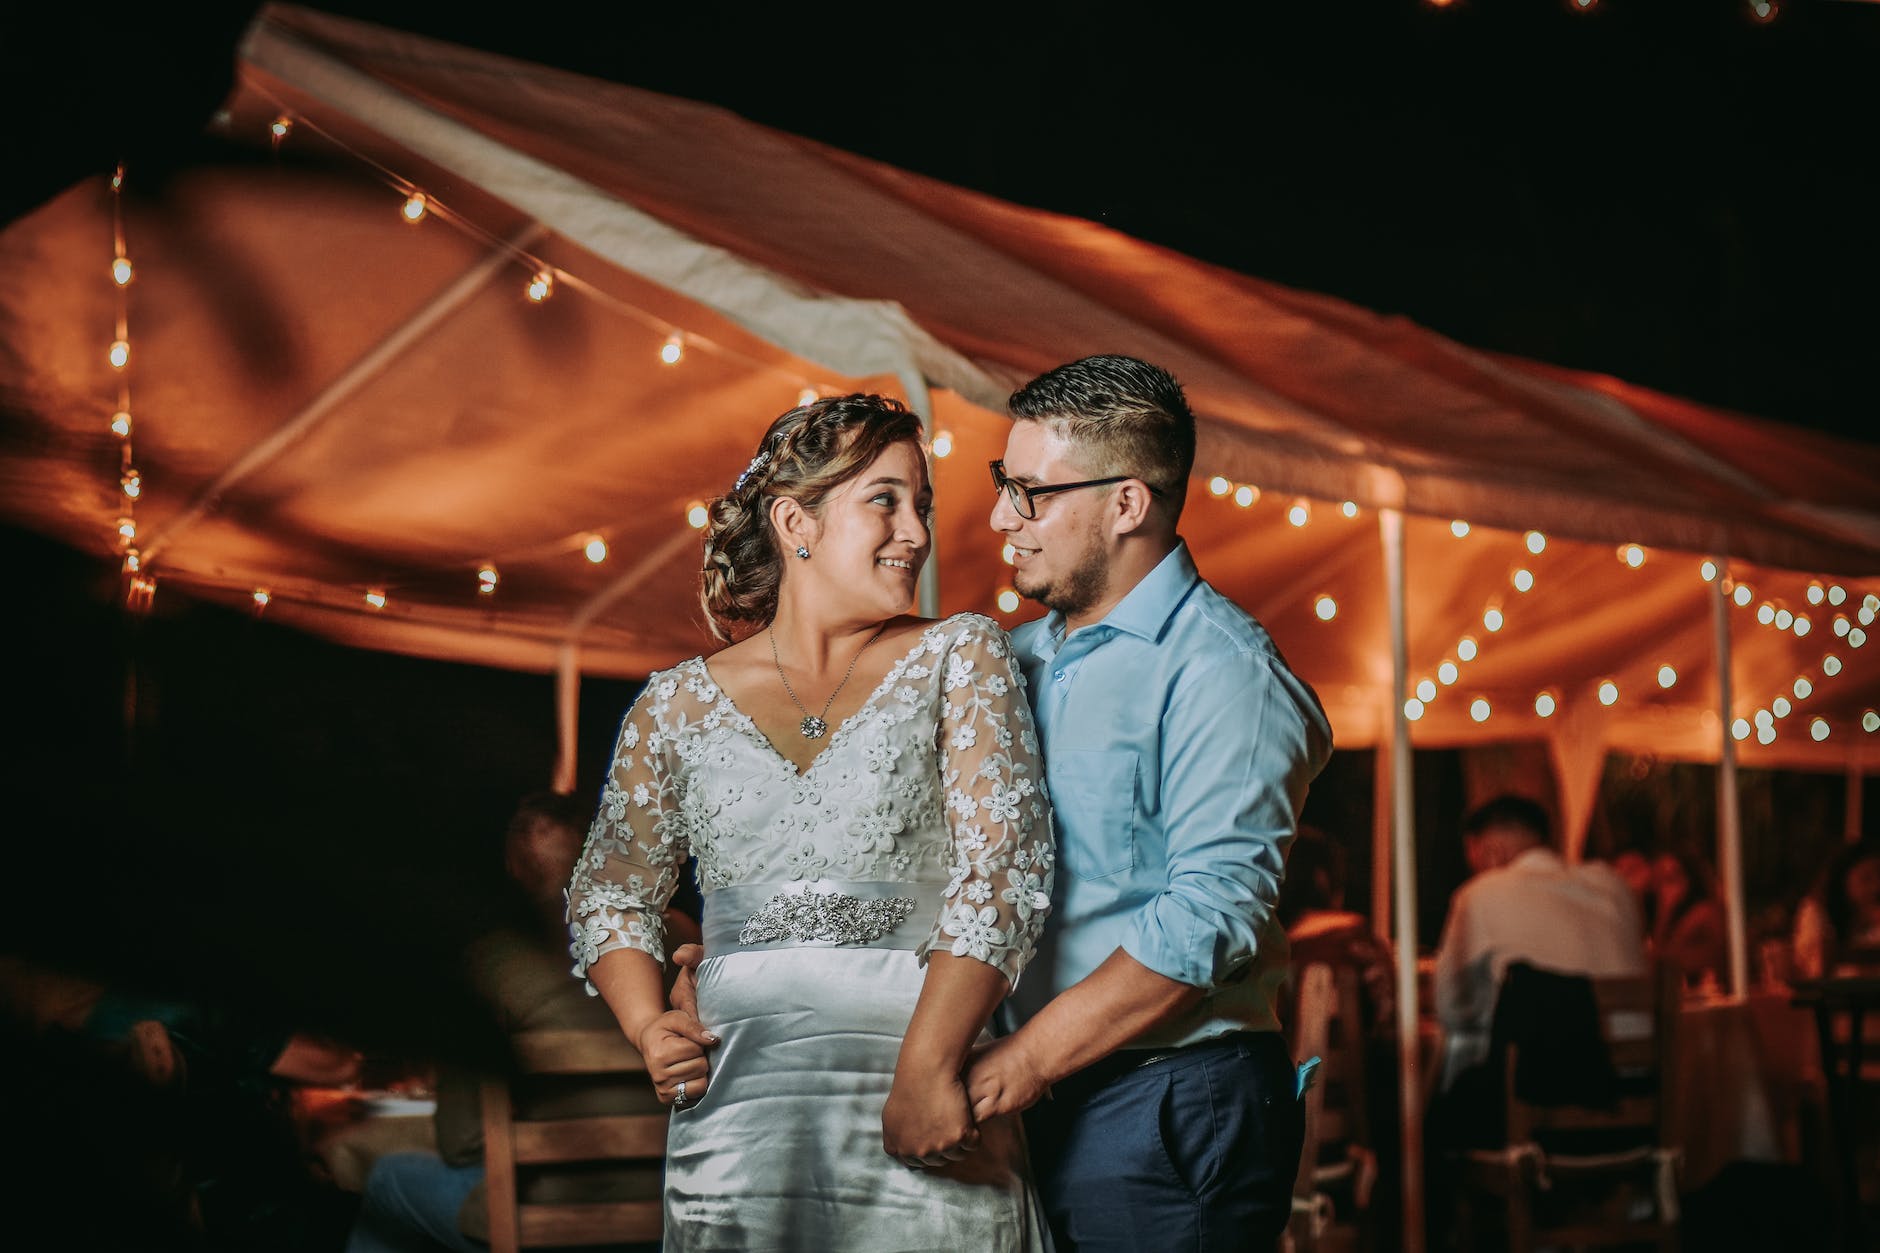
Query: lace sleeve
{"x":637,"y":846}
{"x":998,"y":816}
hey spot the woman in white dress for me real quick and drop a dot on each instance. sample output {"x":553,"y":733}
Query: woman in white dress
{"x":863,"y":794}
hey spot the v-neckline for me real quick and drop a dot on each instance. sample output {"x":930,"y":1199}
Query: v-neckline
{"x":895,"y":671}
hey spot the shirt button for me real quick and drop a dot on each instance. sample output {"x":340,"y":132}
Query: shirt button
{"x":1058,"y":676}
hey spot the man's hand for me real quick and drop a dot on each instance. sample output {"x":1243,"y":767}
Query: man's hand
{"x":674,"y":1045}
{"x":684,"y":995}
{"x":926,"y":1122}
{"x":1002,"y":1079}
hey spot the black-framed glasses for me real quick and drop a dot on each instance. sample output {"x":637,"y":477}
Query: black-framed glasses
{"x":1023,"y":498}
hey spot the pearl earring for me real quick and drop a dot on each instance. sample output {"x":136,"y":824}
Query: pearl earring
{"x":802,"y":552}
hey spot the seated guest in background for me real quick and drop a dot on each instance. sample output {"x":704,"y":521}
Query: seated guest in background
{"x":1320,"y":929}
{"x":1837,"y":928}
{"x":1635,"y":867}
{"x":419,"y":1202}
{"x":1524,"y":903}
{"x":1686,"y":918}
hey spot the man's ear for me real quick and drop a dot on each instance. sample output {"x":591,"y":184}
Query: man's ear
{"x":1131,"y":502}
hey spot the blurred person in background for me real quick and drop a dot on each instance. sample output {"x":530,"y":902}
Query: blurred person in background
{"x":1686,"y":918}
{"x":1837,"y":927}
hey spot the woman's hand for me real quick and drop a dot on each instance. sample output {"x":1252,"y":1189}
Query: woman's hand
{"x":927,"y":1121}
{"x":674,"y":1045}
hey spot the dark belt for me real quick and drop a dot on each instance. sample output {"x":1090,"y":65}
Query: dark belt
{"x":1103,"y":1071}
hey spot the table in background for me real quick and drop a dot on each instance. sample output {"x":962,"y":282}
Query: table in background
{"x":1834,"y":1000}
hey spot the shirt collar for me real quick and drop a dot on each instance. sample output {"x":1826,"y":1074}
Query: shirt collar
{"x":1146,"y":608}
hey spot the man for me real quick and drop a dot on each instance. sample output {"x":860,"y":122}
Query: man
{"x":1524,"y":904}
{"x":1178,"y":747}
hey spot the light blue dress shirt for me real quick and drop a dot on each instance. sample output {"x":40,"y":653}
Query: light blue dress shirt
{"x":1178,"y":746}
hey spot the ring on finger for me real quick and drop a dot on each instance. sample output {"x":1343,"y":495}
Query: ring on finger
{"x":678,"y":1095}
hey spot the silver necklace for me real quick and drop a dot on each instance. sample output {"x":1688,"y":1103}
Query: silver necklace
{"x":813,"y":726}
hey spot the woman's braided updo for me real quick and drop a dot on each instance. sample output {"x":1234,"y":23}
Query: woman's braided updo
{"x":805,"y":455}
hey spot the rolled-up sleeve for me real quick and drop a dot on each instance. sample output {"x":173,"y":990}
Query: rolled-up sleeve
{"x":1240,"y":744}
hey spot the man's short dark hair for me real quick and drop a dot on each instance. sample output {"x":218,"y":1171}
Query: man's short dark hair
{"x":1510,"y":811}
{"x":1124,"y":415}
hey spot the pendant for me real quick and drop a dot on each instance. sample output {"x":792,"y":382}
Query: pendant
{"x":812,"y":727}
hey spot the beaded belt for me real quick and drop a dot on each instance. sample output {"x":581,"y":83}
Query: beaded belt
{"x":819,"y":913}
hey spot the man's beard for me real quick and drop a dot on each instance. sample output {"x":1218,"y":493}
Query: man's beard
{"x":1075,"y":591}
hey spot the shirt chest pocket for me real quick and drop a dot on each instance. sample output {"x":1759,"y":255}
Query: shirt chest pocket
{"x":1094,"y":794}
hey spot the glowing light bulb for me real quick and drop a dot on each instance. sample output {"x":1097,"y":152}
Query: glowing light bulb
{"x":1448,"y":673}
{"x":1866,"y":616}
{"x":1545,"y":704}
{"x":1349,"y":509}
{"x":1784,"y":619}
{"x":486,"y":581}
{"x":121,"y":271}
{"x":1326,"y":608}
{"x":1585,"y":6}
{"x":1765,"y":613}
{"x":1479,"y":710}
{"x":1818,"y":730}
{"x":1870,"y":721}
{"x":280,"y":126}
{"x":1740,"y":729}
{"x":132,"y":483}
{"x":1608,"y":692}
{"x":1781,"y":707}
{"x":1536,"y":542}
{"x":1007,"y":553}
{"x":1841,"y":625}
{"x":1008,"y":601}
{"x":596,"y":549}
{"x":1870,"y":603}
{"x":1836,"y":594}
{"x":1465,"y":648}
{"x":696,"y":515}
{"x":121,"y":423}
{"x":1426,"y":691}
{"x":1667,"y":676}
{"x":1857,"y":637}
{"x":1766,"y":735}
{"x":119,"y":354}
{"x":1764,"y":718}
{"x":127,"y":530}
{"x":1492,"y":619}
{"x":673,"y":350}
{"x":375,"y":599}
{"x":942,"y":443}
{"x":1763,"y":10}
{"x":541,"y":286}
{"x":132,"y":562}
{"x":1707,"y":571}
{"x":415,"y":207}
{"x":1413,"y":709}
{"x":808,"y":396}
{"x":1831,"y":665}
{"x":1742,"y":595}
{"x":1218,"y":486}
{"x":1458,"y":528}
{"x":262,"y":597}
{"x":1803,"y":688}
{"x":1816,"y":593}
{"x":1632,"y":555}
{"x":1299,"y":514}
{"x":1245,"y":496}
{"x":1802,"y":625}
{"x":1523,"y":580}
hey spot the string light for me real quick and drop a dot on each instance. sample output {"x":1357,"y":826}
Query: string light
{"x":1841,"y":625}
{"x":1523,"y":580}
{"x":1008,"y":601}
{"x":121,"y":424}
{"x":673,"y":350}
{"x":1458,"y":528}
{"x":1764,"y":718}
{"x":943,"y":444}
{"x":1780,"y":707}
{"x":1869,"y":604}
{"x":132,"y":561}
{"x":1300,"y":513}
{"x":1479,"y":710}
{"x":486,"y":581}
{"x":1818,"y":729}
{"x":1742,"y":595}
{"x":1870,"y":721}
{"x":1816,"y":593}
{"x":132,"y":483}
{"x":127,"y":530}
{"x":119,"y":354}
{"x":1608,"y":692}
{"x":541,"y":286}
{"x":1245,"y":495}
{"x":1857,"y":637}
{"x":1465,"y":648}
{"x":1326,"y":608}
{"x":1413,"y":709}
{"x":1536,"y":542}
{"x":1802,"y":625}
{"x":142,"y":590}
{"x":1765,"y":613}
{"x":1764,"y":11}
{"x":1218,"y":486}
{"x":414,"y":208}
{"x":375,"y":599}
{"x":808,"y":396}
{"x":1545,"y":704}
{"x":1740,"y":729}
{"x":1831,"y":665}
{"x":1803,"y":688}
{"x":696,"y":516}
{"x":1866,"y":615}
{"x":121,"y":272}
{"x":1448,"y":673}
{"x":1008,"y":554}
{"x":1585,"y":6}
{"x":596,"y":549}
{"x":1836,"y":594}
{"x":1766,"y":734}
{"x":280,"y":127}
{"x":261,"y":598}
{"x":1708,"y":570}
{"x":1784,"y":619}
{"x":1492,"y":619}
{"x":1426,"y":690}
{"x":1349,"y":509}
{"x":1632,"y":555}
{"x":1667,"y":676}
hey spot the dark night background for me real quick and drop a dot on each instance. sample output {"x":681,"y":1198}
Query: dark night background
{"x":1666,"y":191}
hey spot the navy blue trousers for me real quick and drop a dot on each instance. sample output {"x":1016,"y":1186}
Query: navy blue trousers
{"x":1194,"y":1151}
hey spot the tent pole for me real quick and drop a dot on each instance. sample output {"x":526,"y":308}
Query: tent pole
{"x":1729,"y":815}
{"x":920,"y":400}
{"x":1404,"y":876}
{"x":1382,"y":829}
{"x":567,"y":711}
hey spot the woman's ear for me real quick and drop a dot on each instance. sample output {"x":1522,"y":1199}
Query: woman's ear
{"x":795,"y":526}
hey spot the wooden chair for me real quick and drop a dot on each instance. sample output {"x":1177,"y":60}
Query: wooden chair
{"x":1638,"y":1019}
{"x":1328,"y":1024}
{"x":512,"y":1141}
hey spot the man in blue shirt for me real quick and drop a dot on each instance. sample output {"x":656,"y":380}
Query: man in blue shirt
{"x":1178,"y":747}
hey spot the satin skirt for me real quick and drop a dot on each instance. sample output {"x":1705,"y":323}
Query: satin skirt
{"x":784,"y":1150}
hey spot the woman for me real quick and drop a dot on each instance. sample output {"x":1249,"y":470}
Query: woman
{"x":1687,"y":924}
{"x":862,"y":792}
{"x":1837,"y":930}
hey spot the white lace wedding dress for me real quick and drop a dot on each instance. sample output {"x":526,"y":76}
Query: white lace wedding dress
{"x":922,"y":825}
